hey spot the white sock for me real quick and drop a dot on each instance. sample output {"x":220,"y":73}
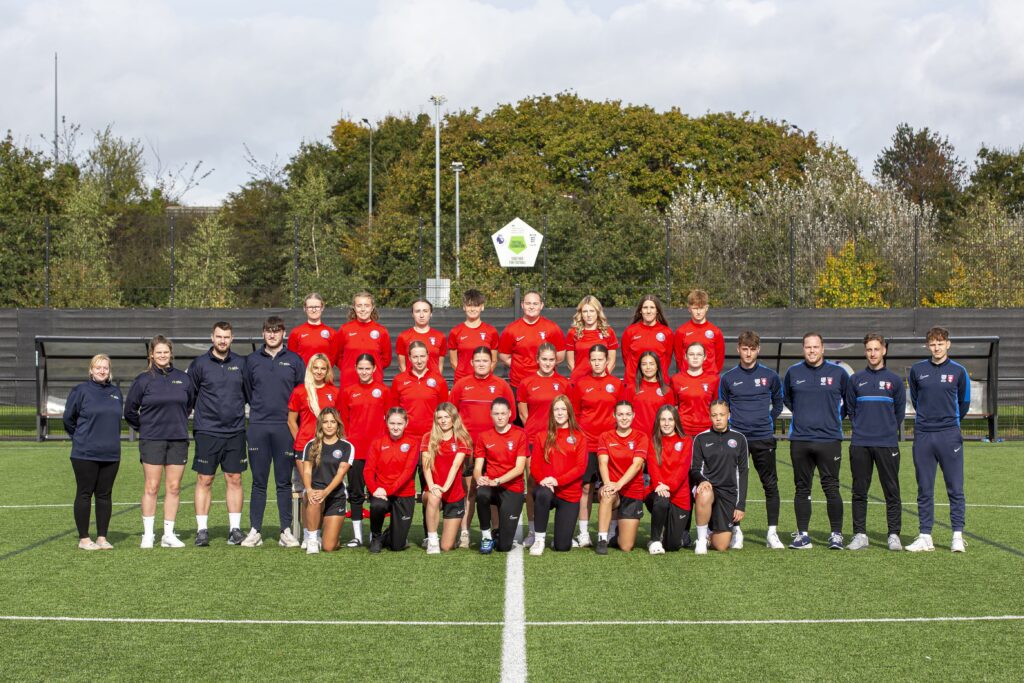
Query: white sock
{"x":432,"y":536}
{"x":168,"y":527}
{"x":357,"y":529}
{"x":201,"y":522}
{"x":958,"y":534}
{"x":531,"y":527}
{"x":602,"y":535}
{"x":584,"y":523}
{"x":702,"y":532}
{"x":309,"y":535}
{"x":803,"y":533}
{"x":485,"y":534}
{"x":613,"y":529}
{"x":234,"y":520}
{"x":539,"y":538}
{"x":147,"y":525}
{"x":773,"y":530}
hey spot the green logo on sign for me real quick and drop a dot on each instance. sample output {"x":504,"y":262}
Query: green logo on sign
{"x":517,"y":244}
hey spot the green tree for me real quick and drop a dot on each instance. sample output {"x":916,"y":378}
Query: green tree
{"x":848,"y":280}
{"x":207,"y":271}
{"x":999,"y":174}
{"x":256,"y":216}
{"x":81,"y":274}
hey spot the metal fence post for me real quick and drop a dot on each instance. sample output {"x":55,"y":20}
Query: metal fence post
{"x":170,"y":229}
{"x":46,"y":267}
{"x":917,"y":261}
{"x":544,"y":242}
{"x":295,"y":262}
{"x":668,"y":262}
{"x":420,"y":284}
{"x":792,"y":266}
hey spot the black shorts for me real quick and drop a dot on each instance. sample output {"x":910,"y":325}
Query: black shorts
{"x":454,"y":510}
{"x":227,"y":452}
{"x":630,"y":508}
{"x":159,"y":452}
{"x":592,"y":473}
{"x":721,"y":510}
{"x":334,"y":504}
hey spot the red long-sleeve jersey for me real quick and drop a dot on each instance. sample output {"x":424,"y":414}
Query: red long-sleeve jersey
{"x":436,"y":342}
{"x":581,"y":344}
{"x":391,"y":464}
{"x":308,"y":340}
{"x":363,"y":408}
{"x":646,"y":402}
{"x":621,"y":450}
{"x":593,"y":400}
{"x":327,"y":395}
{"x":568,"y":461}
{"x":537,"y":393}
{"x":472,"y":396}
{"x":355,"y":338}
{"x":693,"y":396}
{"x":442,"y":466}
{"x":500,"y":452}
{"x":674,"y":470}
{"x":638,"y":338}
{"x":463,"y":339}
{"x":420,"y":397}
{"x":708,"y":335}
{"x":521,"y":340}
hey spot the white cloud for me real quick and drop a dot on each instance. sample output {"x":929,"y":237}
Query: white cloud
{"x":198,"y":82}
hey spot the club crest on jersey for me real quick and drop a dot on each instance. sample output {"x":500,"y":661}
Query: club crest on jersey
{"x":492,"y":388}
{"x":826,"y":381}
{"x":330,"y":397}
{"x":431,"y":340}
{"x":947,"y":378}
{"x":555,"y":385}
{"x":660,"y":336}
{"x":431,"y":382}
{"x":760,"y":381}
{"x":705,"y":386}
{"x":659,"y":392}
{"x":630,"y":445}
{"x":405,"y":448}
{"x":374,"y":334}
{"x":337,"y":454}
{"x":732,"y":443}
{"x":709,"y":334}
{"x":510,"y":445}
{"x":326,"y":334}
{"x":543,"y":335}
{"x":610,"y":388}
{"x":679,"y":445}
{"x":571,"y":440}
{"x":483,"y":336}
{"x":376,"y":393}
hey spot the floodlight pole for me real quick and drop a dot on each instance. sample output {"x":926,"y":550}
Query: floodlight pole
{"x":458,"y":167}
{"x":438,"y":100}
{"x":369,"y":215}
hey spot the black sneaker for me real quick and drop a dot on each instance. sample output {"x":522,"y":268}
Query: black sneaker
{"x":601,"y":548}
{"x":235,"y":537}
{"x":203,"y":538}
{"x":375,"y":543}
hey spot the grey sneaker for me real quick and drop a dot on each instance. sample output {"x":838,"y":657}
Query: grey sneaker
{"x":894,"y":542}
{"x":287,"y":539}
{"x":202,"y":538}
{"x":235,"y":537}
{"x":253,"y":540}
{"x":859,"y":542}
{"x":835,"y":541}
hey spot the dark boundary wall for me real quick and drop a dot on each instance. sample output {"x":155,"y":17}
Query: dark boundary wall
{"x":21,"y":326}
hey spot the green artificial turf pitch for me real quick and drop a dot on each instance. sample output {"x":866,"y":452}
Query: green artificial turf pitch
{"x":42,"y":574}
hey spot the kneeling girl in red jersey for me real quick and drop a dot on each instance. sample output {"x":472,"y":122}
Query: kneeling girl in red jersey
{"x":442,"y":452}
{"x":390,"y":468}
{"x":621,"y":454}
{"x":557,"y":464}
{"x":668,"y":494}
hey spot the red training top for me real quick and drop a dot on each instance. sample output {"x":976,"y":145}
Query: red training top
{"x":437,"y":346}
{"x":298,"y":402}
{"x":464,"y":339}
{"x":308,"y":340}
{"x":500,"y":452}
{"x":537,"y":393}
{"x":420,"y":397}
{"x":708,"y":335}
{"x":390,"y":465}
{"x":674,"y":470}
{"x":521,"y":340}
{"x":638,"y":338}
{"x":580,"y":345}
{"x":693,"y":396}
{"x":568,"y":462}
{"x":646,"y":402}
{"x":442,"y":467}
{"x":621,"y":450}
{"x":593,"y":400}
{"x":363,"y":408}
{"x":355,"y":338}
{"x":472,"y":397}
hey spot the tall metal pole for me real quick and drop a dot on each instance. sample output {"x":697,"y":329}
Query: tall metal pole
{"x":917,"y":261}
{"x":369,"y":217}
{"x":458,"y":167}
{"x":170,"y":229}
{"x":46,"y":291}
{"x":295,"y":261}
{"x":55,"y":154}
{"x":438,"y":100}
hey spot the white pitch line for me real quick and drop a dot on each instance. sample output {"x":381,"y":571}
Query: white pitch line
{"x":780,"y":622}
{"x":254,"y":622}
{"x":513,"y":635}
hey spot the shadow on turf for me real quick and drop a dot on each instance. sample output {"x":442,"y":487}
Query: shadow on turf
{"x":913,"y":513}
{"x":69,"y":532}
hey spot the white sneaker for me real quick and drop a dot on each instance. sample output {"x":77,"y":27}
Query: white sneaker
{"x":959,"y":545}
{"x":147,"y":541}
{"x":701,"y":547}
{"x":530,"y":538}
{"x":537,"y":548}
{"x":171,"y":541}
{"x":894,"y":542}
{"x":583,"y":539}
{"x":737,"y":539}
{"x":433,"y":547}
{"x":773,"y":541}
{"x":253,"y":539}
{"x":922,"y":543}
{"x":656,"y":548}
{"x":287,"y":539}
{"x":312,"y":546}
{"x":859,"y":542}
{"x":464,"y":538}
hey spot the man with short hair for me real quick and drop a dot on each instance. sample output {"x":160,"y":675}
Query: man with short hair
{"x":219,"y":426}
{"x":876,"y":403}
{"x":517,"y":346}
{"x":940,"y":390}
{"x":270,"y":375}
{"x":813,"y":390}
{"x":753,"y":393}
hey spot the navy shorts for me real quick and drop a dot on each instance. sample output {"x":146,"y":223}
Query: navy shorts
{"x":455,"y":509}
{"x":160,"y":452}
{"x":227,"y":452}
{"x":630,"y":508}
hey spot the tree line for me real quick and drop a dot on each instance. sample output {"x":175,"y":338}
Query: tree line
{"x":757,"y":211}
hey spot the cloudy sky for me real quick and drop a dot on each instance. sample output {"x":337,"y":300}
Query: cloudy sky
{"x":198,"y":80}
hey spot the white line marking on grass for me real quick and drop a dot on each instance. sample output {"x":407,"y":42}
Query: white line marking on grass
{"x":779,"y":622}
{"x":254,"y":622}
{"x":513,"y":636}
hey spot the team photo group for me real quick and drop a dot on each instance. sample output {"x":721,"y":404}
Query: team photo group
{"x":587,"y":418}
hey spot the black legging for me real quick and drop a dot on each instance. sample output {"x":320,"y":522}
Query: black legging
{"x":401,"y":509}
{"x":355,"y":487}
{"x":93,"y":478}
{"x":669,"y":522}
{"x":565,"y":516}
{"x":510,"y":507}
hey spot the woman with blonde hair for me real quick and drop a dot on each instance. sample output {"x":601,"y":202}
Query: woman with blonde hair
{"x":589,"y":327}
{"x":442,"y":452}
{"x":92,"y":418}
{"x":324,"y":462}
